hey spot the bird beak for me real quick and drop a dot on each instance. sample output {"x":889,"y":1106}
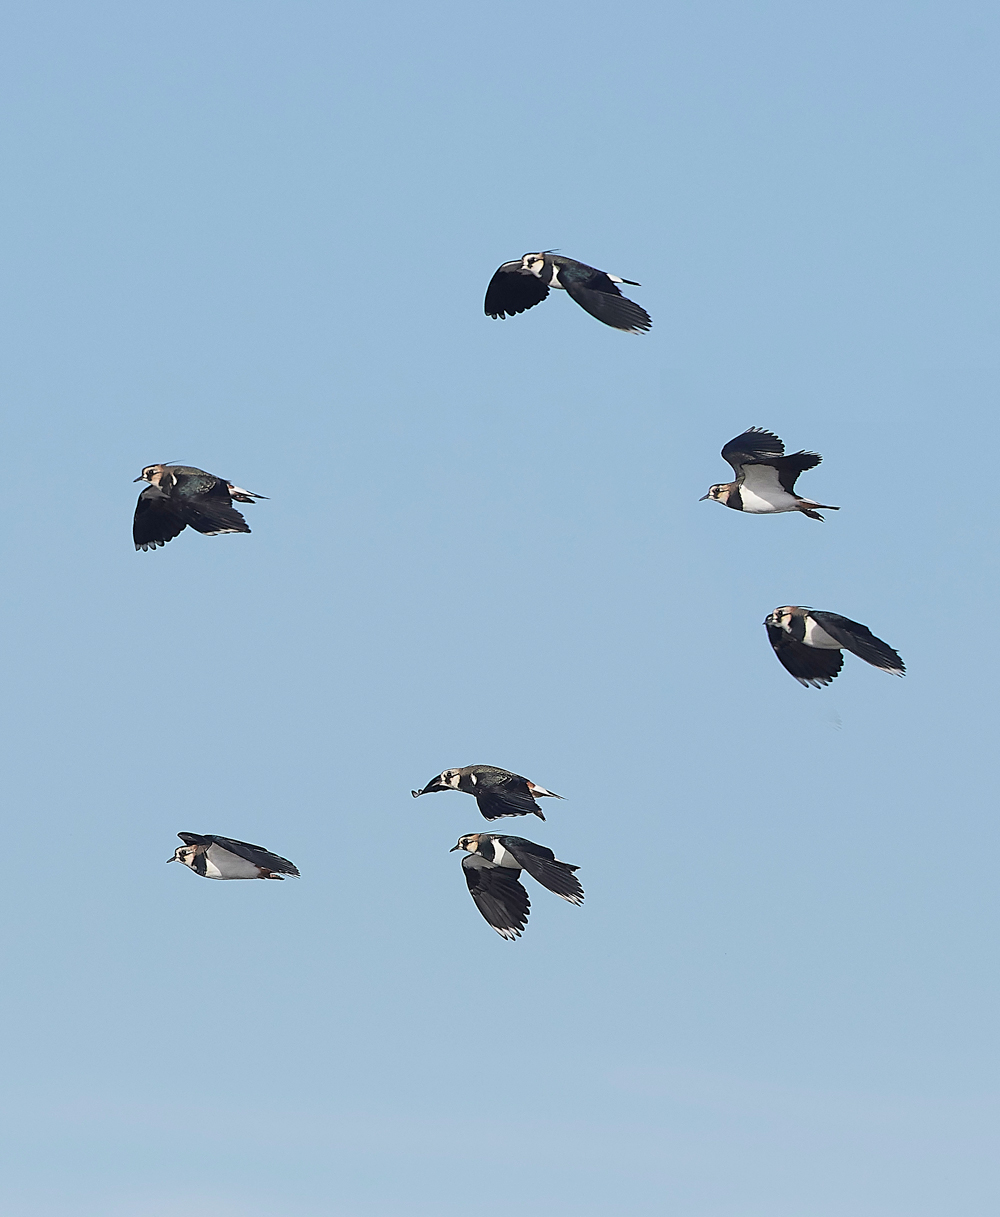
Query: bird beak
{"x":453,"y":848}
{"x":704,"y":497}
{"x":428,"y":789}
{"x":138,"y":479}
{"x":169,"y":860}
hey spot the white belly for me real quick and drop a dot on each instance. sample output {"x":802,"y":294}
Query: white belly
{"x":816,"y":636}
{"x":554,"y":281}
{"x":221,"y":864}
{"x":768,"y":501}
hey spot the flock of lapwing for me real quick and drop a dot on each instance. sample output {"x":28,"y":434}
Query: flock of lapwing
{"x":809,"y":643}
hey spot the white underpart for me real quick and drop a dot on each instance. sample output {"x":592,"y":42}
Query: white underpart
{"x":540,"y":790}
{"x":501,"y":857}
{"x":816,"y":636}
{"x":762,"y":493}
{"x":221,"y":864}
{"x":615,"y":279}
{"x":473,"y":779}
{"x":554,"y":281}
{"x":239,"y":490}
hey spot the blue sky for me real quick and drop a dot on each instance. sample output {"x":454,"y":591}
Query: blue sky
{"x":255,"y":238}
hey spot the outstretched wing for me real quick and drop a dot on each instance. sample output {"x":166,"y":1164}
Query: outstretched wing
{"x":511,"y":291}
{"x":511,"y":798}
{"x":155,"y":521}
{"x":860,"y":641}
{"x":789,"y":467}
{"x":541,"y":864}
{"x":256,"y":854}
{"x":210,"y":520}
{"x":498,"y":895}
{"x":604,"y":301}
{"x":213,"y":512}
{"x":755,"y":444}
{"x":809,"y":665}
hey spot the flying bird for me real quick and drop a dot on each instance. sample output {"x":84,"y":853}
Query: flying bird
{"x":215,"y":857}
{"x":525,"y":282}
{"x":497,"y":791}
{"x":765,"y":477}
{"x":493,"y":868}
{"x":810,"y":644}
{"x":180,"y":495}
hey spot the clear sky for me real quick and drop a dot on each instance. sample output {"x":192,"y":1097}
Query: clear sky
{"x":255,"y":237}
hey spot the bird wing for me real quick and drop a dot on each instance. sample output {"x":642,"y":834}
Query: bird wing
{"x":212,"y":513}
{"x":155,"y":521}
{"x":542,"y":865}
{"x":603,"y":300}
{"x":256,"y":854}
{"x":498,"y":895}
{"x":755,"y":444}
{"x":508,"y":799}
{"x":859,"y":640}
{"x":809,"y":665}
{"x":513,"y":291}
{"x":789,"y":467}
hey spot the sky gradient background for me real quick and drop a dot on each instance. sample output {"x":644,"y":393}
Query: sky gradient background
{"x":255,"y":237}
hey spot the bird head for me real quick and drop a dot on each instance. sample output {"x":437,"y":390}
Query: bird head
{"x":532,"y":264}
{"x":718,"y":494}
{"x":781,"y":618}
{"x":151,"y":474}
{"x":444,"y":781}
{"x":186,"y":854}
{"x":469,"y":843}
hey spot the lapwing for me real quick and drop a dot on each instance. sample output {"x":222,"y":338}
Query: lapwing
{"x":498,"y":792}
{"x":180,"y":495}
{"x":765,"y":477}
{"x":215,"y":857}
{"x":520,"y":285}
{"x":493,"y":868}
{"x":810,"y":644}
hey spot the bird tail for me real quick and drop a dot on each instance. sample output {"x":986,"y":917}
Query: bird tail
{"x":243,"y":496}
{"x":810,"y":510}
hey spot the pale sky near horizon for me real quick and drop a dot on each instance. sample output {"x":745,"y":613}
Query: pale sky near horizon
{"x":255,"y":238}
